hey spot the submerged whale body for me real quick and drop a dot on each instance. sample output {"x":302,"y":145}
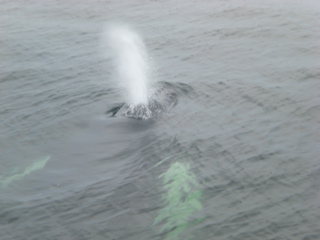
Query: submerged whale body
{"x":162,"y":100}
{"x":154,"y":108}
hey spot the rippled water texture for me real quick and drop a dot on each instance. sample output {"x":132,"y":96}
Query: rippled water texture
{"x":237,"y":157}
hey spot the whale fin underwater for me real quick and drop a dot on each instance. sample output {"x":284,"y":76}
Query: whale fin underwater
{"x":39,"y":164}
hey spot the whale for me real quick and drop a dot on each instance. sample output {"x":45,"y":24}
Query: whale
{"x":163,"y":98}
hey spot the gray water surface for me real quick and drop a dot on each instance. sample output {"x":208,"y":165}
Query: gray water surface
{"x":247,"y":125}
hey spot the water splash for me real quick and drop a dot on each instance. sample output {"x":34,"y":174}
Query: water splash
{"x":132,"y":65}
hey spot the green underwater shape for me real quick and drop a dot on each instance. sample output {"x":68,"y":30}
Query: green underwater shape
{"x":39,"y":164}
{"x":181,"y":202}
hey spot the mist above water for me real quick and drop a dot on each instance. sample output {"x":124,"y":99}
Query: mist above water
{"x":131,"y":62}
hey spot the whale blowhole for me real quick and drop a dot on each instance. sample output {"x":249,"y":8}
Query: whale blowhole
{"x":163,"y":98}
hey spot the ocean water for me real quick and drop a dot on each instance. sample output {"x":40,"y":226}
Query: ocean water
{"x":236,"y":158}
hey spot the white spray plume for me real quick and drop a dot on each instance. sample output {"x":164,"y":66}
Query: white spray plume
{"x":131,"y":62}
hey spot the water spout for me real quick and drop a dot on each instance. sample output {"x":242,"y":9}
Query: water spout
{"x":142,"y":101}
{"x":132,"y":65}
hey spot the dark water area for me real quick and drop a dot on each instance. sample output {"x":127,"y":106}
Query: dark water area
{"x":236,"y":158}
